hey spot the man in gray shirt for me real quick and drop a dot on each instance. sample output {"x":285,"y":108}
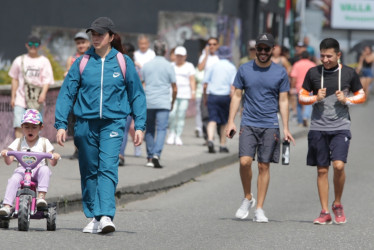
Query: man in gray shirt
{"x":158,"y":79}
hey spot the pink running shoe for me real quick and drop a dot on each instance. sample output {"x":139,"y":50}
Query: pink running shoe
{"x":339,"y":214}
{"x":323,"y":219}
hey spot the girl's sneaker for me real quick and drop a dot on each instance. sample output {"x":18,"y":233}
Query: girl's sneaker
{"x":5,"y":211}
{"x":40,"y":202}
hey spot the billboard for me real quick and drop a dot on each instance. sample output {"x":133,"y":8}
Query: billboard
{"x":352,"y":14}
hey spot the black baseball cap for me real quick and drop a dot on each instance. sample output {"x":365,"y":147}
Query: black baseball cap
{"x":102,"y":25}
{"x":265,"y":38}
{"x":33,"y":39}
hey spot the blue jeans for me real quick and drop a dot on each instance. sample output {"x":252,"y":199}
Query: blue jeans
{"x":156,"y":119}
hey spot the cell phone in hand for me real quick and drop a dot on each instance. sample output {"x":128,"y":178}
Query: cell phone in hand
{"x":232,"y":133}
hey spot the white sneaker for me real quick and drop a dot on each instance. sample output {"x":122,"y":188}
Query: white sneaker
{"x":40,"y":202}
{"x":260,"y":216}
{"x":171,"y":139}
{"x":92,"y":227}
{"x":243,"y":210}
{"x":178,"y":141}
{"x":106,"y":225}
{"x":5,"y":211}
{"x":149,"y":164}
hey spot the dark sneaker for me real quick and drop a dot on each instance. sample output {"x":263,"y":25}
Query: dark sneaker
{"x":323,"y":219}
{"x":75,"y":155}
{"x":156,"y":162}
{"x":223,"y":149}
{"x":121,"y":161}
{"x":339,"y":214}
{"x":211,"y":147}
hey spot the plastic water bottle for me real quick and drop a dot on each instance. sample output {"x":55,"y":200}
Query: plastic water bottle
{"x":286,"y":153}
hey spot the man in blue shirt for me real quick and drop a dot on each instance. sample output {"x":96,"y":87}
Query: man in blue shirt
{"x":265,"y":85}
{"x":158,"y":78}
{"x":218,"y":81}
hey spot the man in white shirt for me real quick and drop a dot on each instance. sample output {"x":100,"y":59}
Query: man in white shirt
{"x":144,"y":54}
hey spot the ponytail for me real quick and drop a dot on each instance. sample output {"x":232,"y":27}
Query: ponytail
{"x":117,"y":43}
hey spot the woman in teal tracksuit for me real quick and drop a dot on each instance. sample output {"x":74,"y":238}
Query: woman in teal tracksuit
{"x":103,"y":99}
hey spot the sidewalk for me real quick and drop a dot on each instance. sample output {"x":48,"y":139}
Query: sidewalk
{"x":181,"y":164}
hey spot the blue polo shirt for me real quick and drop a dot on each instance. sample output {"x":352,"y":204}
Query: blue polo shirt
{"x":261,"y":93}
{"x":158,"y":75}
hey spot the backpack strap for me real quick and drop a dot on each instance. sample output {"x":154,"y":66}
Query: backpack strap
{"x":122,"y":63}
{"x":83,"y":63}
{"x":120,"y":59}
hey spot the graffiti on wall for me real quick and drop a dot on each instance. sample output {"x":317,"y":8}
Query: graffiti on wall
{"x":177,"y":27}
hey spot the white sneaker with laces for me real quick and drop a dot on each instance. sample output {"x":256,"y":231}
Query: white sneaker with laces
{"x":260,"y":216}
{"x":178,"y":141}
{"x":92,"y":227}
{"x":5,"y":211}
{"x":106,"y":225}
{"x":171,"y":139}
{"x":243,"y":210}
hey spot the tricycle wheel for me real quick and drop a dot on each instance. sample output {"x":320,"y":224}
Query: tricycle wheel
{"x":51,"y":219}
{"x":24,"y":212}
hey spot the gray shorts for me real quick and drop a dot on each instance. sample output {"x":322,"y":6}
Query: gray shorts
{"x":266,"y":141}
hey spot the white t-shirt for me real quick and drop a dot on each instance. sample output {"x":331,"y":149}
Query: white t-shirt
{"x":38,"y":147}
{"x":182,"y":75}
{"x":145,"y":57}
{"x":212,"y":59}
{"x":38,"y":71}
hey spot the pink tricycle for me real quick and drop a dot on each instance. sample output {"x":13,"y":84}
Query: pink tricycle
{"x":25,"y":207}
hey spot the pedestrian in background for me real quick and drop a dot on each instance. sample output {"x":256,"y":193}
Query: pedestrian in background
{"x":31,"y":75}
{"x":82,"y":44}
{"x":251,"y":52}
{"x":159,"y":80}
{"x":207,"y":58}
{"x":143,"y":54}
{"x":129,"y":128}
{"x":327,"y":87}
{"x":104,"y":99}
{"x":186,"y":85}
{"x":217,"y":94}
{"x":266,"y":87}
{"x":297,"y":75}
{"x":364,"y":68}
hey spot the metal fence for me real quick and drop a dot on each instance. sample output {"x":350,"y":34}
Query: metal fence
{"x":6,"y":118}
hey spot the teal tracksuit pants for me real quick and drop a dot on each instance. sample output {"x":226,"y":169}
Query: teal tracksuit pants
{"x":99,"y":142}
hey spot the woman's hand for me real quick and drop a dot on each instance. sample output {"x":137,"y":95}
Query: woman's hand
{"x":61,"y":136}
{"x":138,"y":138}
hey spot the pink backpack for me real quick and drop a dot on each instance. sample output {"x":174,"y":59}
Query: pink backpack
{"x":120,"y":59}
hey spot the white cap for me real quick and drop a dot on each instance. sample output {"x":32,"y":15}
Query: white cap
{"x":180,"y":50}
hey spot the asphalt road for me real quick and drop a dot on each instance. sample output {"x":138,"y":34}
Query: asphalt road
{"x":200,"y":214}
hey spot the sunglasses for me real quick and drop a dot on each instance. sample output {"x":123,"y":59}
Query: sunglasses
{"x":266,"y":49}
{"x":33,"y":44}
